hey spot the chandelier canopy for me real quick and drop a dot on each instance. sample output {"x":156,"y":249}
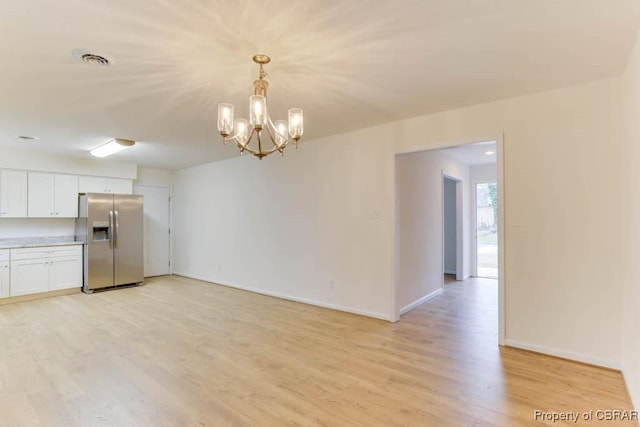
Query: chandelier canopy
{"x":242,"y":132}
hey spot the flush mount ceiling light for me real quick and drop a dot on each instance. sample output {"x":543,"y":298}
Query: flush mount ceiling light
{"x":112,"y":147}
{"x":242,"y":132}
{"x":489,"y":153}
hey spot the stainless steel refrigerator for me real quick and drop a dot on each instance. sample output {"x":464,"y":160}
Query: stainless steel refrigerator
{"x":111,"y":226}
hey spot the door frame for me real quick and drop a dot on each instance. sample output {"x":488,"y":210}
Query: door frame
{"x":502,"y":276}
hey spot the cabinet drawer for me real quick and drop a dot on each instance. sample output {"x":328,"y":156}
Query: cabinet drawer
{"x":70,"y":250}
{"x":29,"y":253}
{"x":4,"y":254}
{"x":45,"y":252}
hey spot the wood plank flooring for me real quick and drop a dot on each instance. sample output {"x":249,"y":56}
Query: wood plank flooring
{"x":179,"y":352}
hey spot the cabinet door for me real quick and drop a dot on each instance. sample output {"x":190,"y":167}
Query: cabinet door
{"x":4,"y":279}
{"x":66,"y":196}
{"x":92,"y":184}
{"x":65,"y":272}
{"x":29,"y":276}
{"x":120,"y":186}
{"x":13,"y":194}
{"x":41,"y":195}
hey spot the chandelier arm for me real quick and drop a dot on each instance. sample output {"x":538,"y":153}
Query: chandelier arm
{"x":272,"y":136}
{"x":235,"y":138}
{"x":251,"y":150}
{"x":270,"y":131}
{"x":271,"y":128}
{"x":266,"y":152}
{"x":245,"y":146}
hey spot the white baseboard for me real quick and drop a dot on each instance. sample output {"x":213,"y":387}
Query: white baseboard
{"x":291,"y":297}
{"x":635,"y":398}
{"x":577,"y":357}
{"x":419,"y":301}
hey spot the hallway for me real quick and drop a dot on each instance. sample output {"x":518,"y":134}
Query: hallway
{"x":503,"y":385}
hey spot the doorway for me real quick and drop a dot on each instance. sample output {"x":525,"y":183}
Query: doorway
{"x":452,"y":227}
{"x":486,"y":224}
{"x":419,"y":260}
{"x":157,"y":229}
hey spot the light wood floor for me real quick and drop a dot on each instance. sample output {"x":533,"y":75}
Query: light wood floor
{"x":178,"y":352}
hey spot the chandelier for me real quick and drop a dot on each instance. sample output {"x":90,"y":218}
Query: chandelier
{"x":278,"y":133}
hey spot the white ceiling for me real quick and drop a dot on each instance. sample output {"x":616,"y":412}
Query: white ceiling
{"x":480,"y":153}
{"x":348,"y":64}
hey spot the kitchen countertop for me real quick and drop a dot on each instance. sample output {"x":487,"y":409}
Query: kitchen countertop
{"x":34,"y":242}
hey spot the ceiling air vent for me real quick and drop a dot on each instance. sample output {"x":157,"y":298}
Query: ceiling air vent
{"x":91,"y":58}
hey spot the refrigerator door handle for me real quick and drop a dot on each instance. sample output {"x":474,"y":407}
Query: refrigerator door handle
{"x":111,"y":230}
{"x":115,"y":234}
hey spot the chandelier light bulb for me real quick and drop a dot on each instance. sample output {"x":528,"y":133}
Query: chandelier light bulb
{"x":281,"y":129}
{"x":225,"y":118}
{"x":295,"y":123}
{"x":257,"y":111}
{"x":242,"y":130}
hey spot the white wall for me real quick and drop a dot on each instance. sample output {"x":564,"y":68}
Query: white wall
{"x":158,"y":177}
{"x":14,"y":159}
{"x":631,"y":205}
{"x":289,"y":226}
{"x":560,"y":262}
{"x":36,"y":227}
{"x":419,"y":231}
{"x":482,"y":173}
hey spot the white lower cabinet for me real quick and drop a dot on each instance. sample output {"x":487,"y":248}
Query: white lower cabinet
{"x":45,"y":269}
{"x":29,"y":276}
{"x":4,"y":273}
{"x":65,"y":272}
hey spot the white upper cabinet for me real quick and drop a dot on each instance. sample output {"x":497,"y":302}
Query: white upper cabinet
{"x":120,"y":186}
{"x":66,"y":196}
{"x":97,"y":184}
{"x":53,"y":195}
{"x":13,"y":194}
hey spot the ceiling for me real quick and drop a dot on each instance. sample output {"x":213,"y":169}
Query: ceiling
{"x":480,"y":153}
{"x":349,"y":65}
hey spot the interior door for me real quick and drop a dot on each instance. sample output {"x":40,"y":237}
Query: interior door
{"x":156,"y":229}
{"x":128,"y":239}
